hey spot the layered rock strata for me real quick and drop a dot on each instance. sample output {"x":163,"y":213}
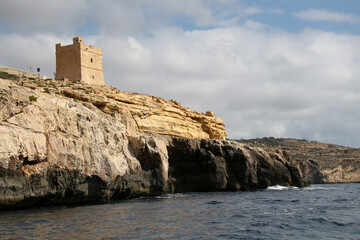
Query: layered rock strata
{"x":57,"y":150}
{"x":139,"y":112}
{"x":317,"y":162}
{"x":343,"y":171}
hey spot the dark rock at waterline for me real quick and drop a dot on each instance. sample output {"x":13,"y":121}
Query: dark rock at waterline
{"x":193,"y":165}
{"x":213,"y":165}
{"x":317,"y":162}
{"x":58,"y":151}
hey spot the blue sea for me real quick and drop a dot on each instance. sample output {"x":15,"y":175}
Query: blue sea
{"x":329,"y":211}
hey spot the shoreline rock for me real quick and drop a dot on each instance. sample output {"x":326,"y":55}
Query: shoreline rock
{"x":184,"y":165}
{"x":317,"y":162}
{"x":56,"y":150}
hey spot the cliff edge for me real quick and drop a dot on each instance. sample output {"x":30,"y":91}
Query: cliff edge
{"x":72,"y":145}
{"x":317,"y":162}
{"x":139,"y":112}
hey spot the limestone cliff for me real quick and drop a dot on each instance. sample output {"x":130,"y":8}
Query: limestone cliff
{"x":60,"y":150}
{"x":318,"y":162}
{"x":139,"y":112}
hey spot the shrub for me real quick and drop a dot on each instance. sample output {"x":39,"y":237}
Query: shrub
{"x":5,"y":75}
{"x":32,"y":98}
{"x":53,"y":86}
{"x":46,"y":90}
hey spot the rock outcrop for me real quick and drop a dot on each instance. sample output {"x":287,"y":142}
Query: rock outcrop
{"x":139,"y":112}
{"x":20,"y":73}
{"x":315,"y":171}
{"x":318,"y":162}
{"x":214,"y":165}
{"x":60,"y":150}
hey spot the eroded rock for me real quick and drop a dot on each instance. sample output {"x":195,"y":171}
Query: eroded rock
{"x":59,"y":150}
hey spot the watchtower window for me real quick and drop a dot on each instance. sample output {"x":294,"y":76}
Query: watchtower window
{"x":91,"y":60}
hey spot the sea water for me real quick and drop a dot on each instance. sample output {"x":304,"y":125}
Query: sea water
{"x":318,"y":212}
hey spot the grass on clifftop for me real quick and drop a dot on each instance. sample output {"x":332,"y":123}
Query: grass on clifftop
{"x":32,"y":98}
{"x":5,"y":75}
{"x":328,"y":155}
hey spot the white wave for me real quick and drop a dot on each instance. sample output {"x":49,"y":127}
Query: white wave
{"x":170,"y":195}
{"x":311,"y":188}
{"x":323,"y":187}
{"x":281,"y":188}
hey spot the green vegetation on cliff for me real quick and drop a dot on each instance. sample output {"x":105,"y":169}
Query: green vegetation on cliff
{"x":5,"y":75}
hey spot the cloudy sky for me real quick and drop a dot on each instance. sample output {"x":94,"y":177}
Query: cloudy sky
{"x":280,"y":68}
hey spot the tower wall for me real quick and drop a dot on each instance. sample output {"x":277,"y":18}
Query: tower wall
{"x":79,"y":62}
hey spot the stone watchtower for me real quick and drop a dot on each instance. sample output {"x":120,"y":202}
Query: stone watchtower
{"x":79,"y":62}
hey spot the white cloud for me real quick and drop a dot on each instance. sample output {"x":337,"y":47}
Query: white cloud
{"x":25,"y":51}
{"x":61,"y":16}
{"x":121,"y":18}
{"x":275,"y":10}
{"x":141,"y":16}
{"x":324,"y":15}
{"x":261,"y":81}
{"x":255,"y":25}
{"x":252,"y":10}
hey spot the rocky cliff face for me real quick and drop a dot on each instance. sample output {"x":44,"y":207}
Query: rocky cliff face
{"x":318,"y":162}
{"x":214,"y":165}
{"x":60,"y":150}
{"x":138,"y":111}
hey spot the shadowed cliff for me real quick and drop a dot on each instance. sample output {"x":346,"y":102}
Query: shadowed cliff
{"x":58,"y":148}
{"x":317,"y":162}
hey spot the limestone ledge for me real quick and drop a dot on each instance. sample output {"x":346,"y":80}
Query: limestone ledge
{"x":139,"y":112}
{"x":152,"y":114}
